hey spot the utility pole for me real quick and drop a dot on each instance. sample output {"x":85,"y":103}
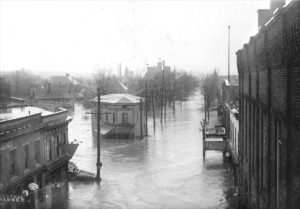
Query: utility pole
{"x":207,"y":106}
{"x":205,"y":102}
{"x":165,"y":103}
{"x":141,"y":118}
{"x":98,"y":164}
{"x":162,"y":91}
{"x":173,"y":90}
{"x":146,"y":107}
{"x":228,"y":53}
{"x":153,"y":111}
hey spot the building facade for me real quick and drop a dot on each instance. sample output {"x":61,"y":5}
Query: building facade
{"x":269,"y":77}
{"x":230,"y":113}
{"x":34,"y":148}
{"x":122,"y":116}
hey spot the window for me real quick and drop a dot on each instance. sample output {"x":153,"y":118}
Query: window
{"x":37,"y":151}
{"x":12,"y":159}
{"x":124,"y":117}
{"x":48,"y":148}
{"x":0,"y":168}
{"x":265,"y":145}
{"x":65,"y":138}
{"x":114,"y":117}
{"x":246,"y":129}
{"x":278,"y":150}
{"x":106,"y":117}
{"x":26,"y":156}
{"x":57,"y":146}
{"x":253,"y":137}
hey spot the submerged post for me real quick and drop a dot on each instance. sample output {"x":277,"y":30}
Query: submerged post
{"x":98,"y":164}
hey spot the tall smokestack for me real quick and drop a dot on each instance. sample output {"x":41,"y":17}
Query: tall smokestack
{"x":274,"y":4}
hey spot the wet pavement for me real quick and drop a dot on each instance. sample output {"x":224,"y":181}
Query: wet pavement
{"x":163,"y":170}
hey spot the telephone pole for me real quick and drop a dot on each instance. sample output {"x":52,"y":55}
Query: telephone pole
{"x":98,"y":164}
{"x":162,"y":91}
{"x":141,"y":118}
{"x":146,"y":107}
{"x":228,"y":53}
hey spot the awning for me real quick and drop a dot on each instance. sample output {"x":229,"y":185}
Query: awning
{"x":69,"y":149}
{"x":106,"y":129}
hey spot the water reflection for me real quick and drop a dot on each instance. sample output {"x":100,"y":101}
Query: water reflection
{"x":163,"y":170}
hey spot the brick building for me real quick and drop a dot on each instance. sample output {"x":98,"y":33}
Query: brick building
{"x":269,"y":78}
{"x":33,"y":147}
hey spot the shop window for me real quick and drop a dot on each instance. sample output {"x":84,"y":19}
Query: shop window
{"x":57,"y":146}
{"x":37,"y":151}
{"x":114,"y":117}
{"x":48,"y":148}
{"x":12,"y":160}
{"x":124,"y":117}
{"x":26,"y":156}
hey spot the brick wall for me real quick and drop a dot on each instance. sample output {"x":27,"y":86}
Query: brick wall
{"x":269,"y":73}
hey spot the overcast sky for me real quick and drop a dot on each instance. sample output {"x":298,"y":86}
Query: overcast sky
{"x":81,"y":36}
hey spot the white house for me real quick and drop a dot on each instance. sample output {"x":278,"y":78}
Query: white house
{"x":122,"y":116}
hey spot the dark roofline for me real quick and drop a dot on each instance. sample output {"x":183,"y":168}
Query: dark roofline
{"x":274,"y":18}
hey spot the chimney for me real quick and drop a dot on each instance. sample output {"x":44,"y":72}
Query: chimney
{"x":263,"y":16}
{"x":274,"y":4}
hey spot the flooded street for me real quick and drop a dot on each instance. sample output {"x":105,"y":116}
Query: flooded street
{"x":164,"y":170}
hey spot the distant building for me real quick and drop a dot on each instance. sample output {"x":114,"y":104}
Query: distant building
{"x":113,"y":86}
{"x":269,"y":78}
{"x":61,"y":81}
{"x":4,"y":91}
{"x":122,"y":115}
{"x":230,"y":110}
{"x":34,"y":147}
{"x":52,"y":96}
{"x":154,"y":75}
{"x":5,"y":95}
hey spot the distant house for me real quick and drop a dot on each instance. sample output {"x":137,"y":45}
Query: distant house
{"x":60,"y":80}
{"x":53,"y":96}
{"x":122,"y":115}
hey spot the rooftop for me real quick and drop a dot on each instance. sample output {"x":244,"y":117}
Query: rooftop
{"x":119,"y":99}
{"x":54,"y":92}
{"x":18,"y":112}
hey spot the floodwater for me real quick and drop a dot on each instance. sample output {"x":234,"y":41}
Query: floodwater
{"x":164,"y":170}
